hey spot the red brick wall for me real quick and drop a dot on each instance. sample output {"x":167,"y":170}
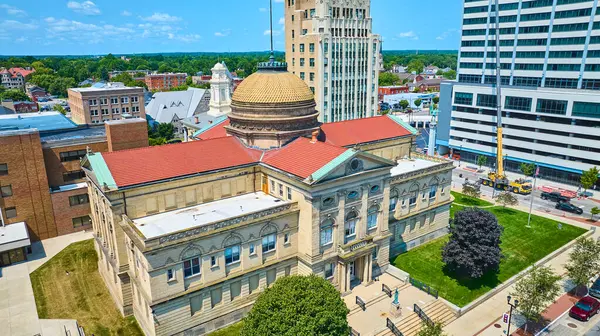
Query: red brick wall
{"x":55,"y":168}
{"x":27,"y":176}
{"x":64,"y":212}
{"x":126,"y":134}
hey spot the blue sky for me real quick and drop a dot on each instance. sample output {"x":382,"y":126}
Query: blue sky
{"x":58,"y":27}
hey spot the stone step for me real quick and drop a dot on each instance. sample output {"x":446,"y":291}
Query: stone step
{"x":410,"y":324}
{"x":380,"y":297}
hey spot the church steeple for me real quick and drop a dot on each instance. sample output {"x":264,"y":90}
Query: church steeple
{"x":220,"y":91}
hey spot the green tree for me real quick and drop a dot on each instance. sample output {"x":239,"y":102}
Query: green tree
{"x":14,"y":95}
{"x":595,"y":211}
{"x":418,"y":102}
{"x":471,"y":190}
{"x":589,"y":178}
{"x":436,"y":99}
{"x":527,"y":169}
{"x":157,"y":141}
{"x":165,"y":130}
{"x":388,"y":79}
{"x":298,"y":305}
{"x":415,"y":65}
{"x":481,"y":160}
{"x":59,"y":108}
{"x":434,"y":329}
{"x":440,"y":72}
{"x":403,"y":103}
{"x":584,"y":261}
{"x":535,"y":291}
{"x":451,"y":74}
{"x":507,"y":198}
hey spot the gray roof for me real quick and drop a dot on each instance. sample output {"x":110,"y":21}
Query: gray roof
{"x":167,"y":106}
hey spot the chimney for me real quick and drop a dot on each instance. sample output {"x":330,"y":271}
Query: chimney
{"x":126,"y":134}
{"x":315,"y":134}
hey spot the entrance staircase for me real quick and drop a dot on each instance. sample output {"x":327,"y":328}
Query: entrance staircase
{"x":410,"y":323}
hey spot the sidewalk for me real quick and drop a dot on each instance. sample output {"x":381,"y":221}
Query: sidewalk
{"x":482,"y":319}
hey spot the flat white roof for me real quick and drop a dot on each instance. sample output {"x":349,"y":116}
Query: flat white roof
{"x":70,"y":187}
{"x":13,"y":236}
{"x":407,"y":165}
{"x":192,"y":217}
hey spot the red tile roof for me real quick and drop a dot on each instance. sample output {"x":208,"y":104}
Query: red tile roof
{"x":23,"y":72}
{"x":301,"y":157}
{"x":351,"y":132}
{"x":218,"y":131}
{"x":142,"y":165}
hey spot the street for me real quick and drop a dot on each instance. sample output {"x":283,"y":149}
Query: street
{"x":524,"y":200}
{"x":568,"y":326}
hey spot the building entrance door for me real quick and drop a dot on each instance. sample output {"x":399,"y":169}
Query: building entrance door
{"x":352,"y":271}
{"x":4,"y":259}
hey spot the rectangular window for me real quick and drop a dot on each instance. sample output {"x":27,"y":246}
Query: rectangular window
{"x":195,"y":304}
{"x":551,"y":106}
{"x":586,"y":110}
{"x":170,"y":275}
{"x":79,"y":199}
{"x":213,"y":261}
{"x":73,"y":175}
{"x":301,"y":47}
{"x":253,"y":283}
{"x":413,"y":198}
{"x":271,"y":276}
{"x":103,"y":101}
{"x":289,"y":193}
{"x":302,"y":76}
{"x":311,"y":47}
{"x":329,"y":267}
{"x":311,"y":62}
{"x":124,"y":100}
{"x":93,"y":102}
{"x":114,"y":100}
{"x":134,"y":99}
{"x":312,"y":13}
{"x":72,"y":155}
{"x":232,"y":254}
{"x":251,"y":249}
{"x":268,"y":243}
{"x":302,"y":61}
{"x":11,"y":212}
{"x":372,"y":220}
{"x":6,"y":190}
{"x":286,"y":238}
{"x":235,"y":289}
{"x":311,"y":76}
{"x":191,"y":267}
{"x":125,"y":109}
{"x":280,"y":189}
{"x":82,"y":221}
{"x":518,"y":103}
{"x":486,"y":100}
{"x":350,"y":228}
{"x":326,"y":235}
{"x":216,"y":295}
{"x":463,"y":98}
{"x":3,"y":169}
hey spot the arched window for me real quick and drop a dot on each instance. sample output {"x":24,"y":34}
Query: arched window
{"x":414,"y":191}
{"x":372,"y":217}
{"x":232,"y":249}
{"x":326,"y":232}
{"x":433,"y":187}
{"x":350,"y":226}
{"x":393,"y":199}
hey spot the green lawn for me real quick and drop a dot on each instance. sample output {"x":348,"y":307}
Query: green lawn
{"x":81,"y":294}
{"x":521,"y":247}
{"x":469,"y":201}
{"x":232,"y":330}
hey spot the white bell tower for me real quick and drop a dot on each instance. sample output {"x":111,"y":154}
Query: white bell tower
{"x":220,"y":91}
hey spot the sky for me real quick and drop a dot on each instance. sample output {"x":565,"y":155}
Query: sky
{"x":59,"y":27}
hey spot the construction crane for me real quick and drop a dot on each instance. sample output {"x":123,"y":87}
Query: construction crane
{"x":497,"y":179}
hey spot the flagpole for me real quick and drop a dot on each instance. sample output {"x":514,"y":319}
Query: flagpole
{"x":537,"y":169}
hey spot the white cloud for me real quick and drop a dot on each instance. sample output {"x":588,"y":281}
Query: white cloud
{"x":85,"y":7}
{"x":85,"y":33}
{"x":21,"y":39}
{"x":187,"y":38}
{"x":446,"y":34}
{"x":50,"y":19}
{"x":278,"y":1}
{"x":281,"y":20}
{"x":10,"y":10}
{"x":407,"y":34}
{"x":275,"y":32}
{"x":126,"y":13}
{"x":262,"y":9}
{"x":17,"y":25}
{"x":161,"y":17}
{"x":223,"y":33}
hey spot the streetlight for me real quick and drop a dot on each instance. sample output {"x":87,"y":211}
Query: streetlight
{"x":510,"y":314}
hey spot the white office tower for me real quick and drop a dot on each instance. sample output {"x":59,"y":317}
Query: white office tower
{"x":220,"y":91}
{"x":330,"y":45}
{"x":550,"y":72}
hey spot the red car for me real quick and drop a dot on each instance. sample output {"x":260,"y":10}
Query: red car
{"x":585,"y":308}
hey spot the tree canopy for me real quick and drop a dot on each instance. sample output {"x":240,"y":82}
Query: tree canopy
{"x":589,"y":177}
{"x":528,"y":169}
{"x":535,"y":291}
{"x":388,"y":79}
{"x":298,"y":305}
{"x":584,"y":260}
{"x":507,"y":198}
{"x":474,"y":246}
{"x":14,"y":95}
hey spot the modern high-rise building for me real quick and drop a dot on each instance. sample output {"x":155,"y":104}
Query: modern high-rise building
{"x":550,"y":74}
{"x":331,"y":47}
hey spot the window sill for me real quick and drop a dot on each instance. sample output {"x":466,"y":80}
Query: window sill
{"x":233,"y":264}
{"x":265,"y":253}
{"x":172,"y":280}
{"x":215,"y":266}
{"x":193,"y":276}
{"x":287,"y":244}
{"x":371,"y":228}
{"x":327,"y":245}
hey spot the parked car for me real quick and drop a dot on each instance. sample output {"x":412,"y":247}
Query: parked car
{"x":568,"y":207}
{"x":554,"y":197}
{"x":585,"y":308}
{"x":595,"y":288}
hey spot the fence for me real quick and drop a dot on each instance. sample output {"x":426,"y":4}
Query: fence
{"x":361,"y":303}
{"x":353,"y":332}
{"x":424,"y":287}
{"x":393,"y":327}
{"x":386,"y":289}
{"x":421,"y":314}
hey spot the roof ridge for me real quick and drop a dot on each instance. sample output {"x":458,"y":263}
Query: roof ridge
{"x":148,"y":148}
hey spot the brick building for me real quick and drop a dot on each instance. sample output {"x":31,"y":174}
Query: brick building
{"x":166,"y":81}
{"x":42,"y":184}
{"x":106,"y":101}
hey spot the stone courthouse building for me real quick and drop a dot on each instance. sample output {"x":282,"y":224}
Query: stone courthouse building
{"x":188,"y":235}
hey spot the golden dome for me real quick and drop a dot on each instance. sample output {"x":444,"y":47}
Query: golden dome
{"x":272,"y":87}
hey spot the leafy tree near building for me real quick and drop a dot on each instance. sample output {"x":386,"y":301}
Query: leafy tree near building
{"x":471,"y":190}
{"x":415,"y":65}
{"x":451,"y":74}
{"x":14,"y":95}
{"x":418,"y":102}
{"x":481,"y":160}
{"x":436,"y":100}
{"x":535,"y":291}
{"x":298,"y":305}
{"x":589,"y":178}
{"x":584,"y":261}
{"x":59,"y":108}
{"x":507,"y":198}
{"x":595,"y":211}
{"x":434,"y":329}
{"x":403,"y":103}
{"x":528,"y":169}
{"x":388,"y":79}
{"x":474,"y":246}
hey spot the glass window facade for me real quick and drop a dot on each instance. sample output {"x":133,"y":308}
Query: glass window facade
{"x":517,"y":103}
{"x":587,"y":110}
{"x":463,"y":98}
{"x":551,"y":106}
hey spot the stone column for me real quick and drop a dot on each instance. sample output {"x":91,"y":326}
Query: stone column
{"x":348,"y":277}
{"x":365,"y":265}
{"x":340,"y":220}
{"x":361,"y":226}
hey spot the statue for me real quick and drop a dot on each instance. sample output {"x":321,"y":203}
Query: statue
{"x":396,"y":297}
{"x":395,"y":308}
